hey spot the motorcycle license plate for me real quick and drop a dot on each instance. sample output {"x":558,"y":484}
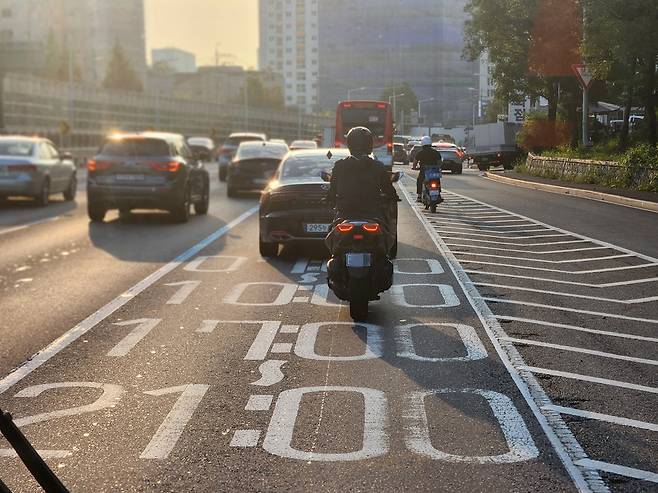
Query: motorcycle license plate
{"x":434,"y":195}
{"x":358,"y":259}
{"x":316,"y":228}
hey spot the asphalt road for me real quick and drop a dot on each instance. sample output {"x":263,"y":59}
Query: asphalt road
{"x":515,"y":353}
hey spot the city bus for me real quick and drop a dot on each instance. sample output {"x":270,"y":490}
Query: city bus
{"x":375,"y":115}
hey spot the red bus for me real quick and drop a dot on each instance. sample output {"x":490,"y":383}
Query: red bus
{"x":375,"y":115}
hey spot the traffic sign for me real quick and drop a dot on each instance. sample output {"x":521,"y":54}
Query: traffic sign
{"x":583,"y":74}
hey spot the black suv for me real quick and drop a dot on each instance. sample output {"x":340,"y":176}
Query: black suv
{"x":146,"y":171}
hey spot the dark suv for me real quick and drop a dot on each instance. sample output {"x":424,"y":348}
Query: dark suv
{"x":146,"y":171}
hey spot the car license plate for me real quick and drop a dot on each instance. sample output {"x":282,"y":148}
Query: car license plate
{"x":130,"y":178}
{"x":357,"y":259}
{"x":316,"y":228}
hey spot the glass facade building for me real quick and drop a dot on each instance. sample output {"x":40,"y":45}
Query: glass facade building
{"x":373,"y":44}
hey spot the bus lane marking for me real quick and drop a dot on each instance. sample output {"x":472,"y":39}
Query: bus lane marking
{"x":305,"y":346}
{"x":236,"y":264}
{"x":186,"y":289}
{"x":450,"y":299}
{"x":406,"y":349}
{"x":270,"y":372}
{"x":144,"y":326}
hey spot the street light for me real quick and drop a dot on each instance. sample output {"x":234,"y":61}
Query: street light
{"x":424,"y":101}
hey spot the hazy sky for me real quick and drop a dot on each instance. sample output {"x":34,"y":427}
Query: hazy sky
{"x":198,"y":25}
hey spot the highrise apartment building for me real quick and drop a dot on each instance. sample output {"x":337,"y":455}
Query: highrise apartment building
{"x":89,"y":29}
{"x":289,"y":46}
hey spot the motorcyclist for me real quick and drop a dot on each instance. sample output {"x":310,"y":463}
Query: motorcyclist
{"x":427,"y":156}
{"x":360,"y":184}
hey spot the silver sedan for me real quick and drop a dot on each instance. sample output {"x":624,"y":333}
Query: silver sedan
{"x":33,"y":167}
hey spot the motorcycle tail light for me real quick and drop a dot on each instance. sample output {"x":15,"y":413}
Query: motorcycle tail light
{"x":371,"y":228}
{"x":345,"y":227}
{"x":435,"y":184}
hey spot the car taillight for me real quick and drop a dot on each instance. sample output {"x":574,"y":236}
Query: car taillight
{"x":94,"y":165}
{"x":22,"y":168}
{"x":345,"y":227}
{"x":435,"y":184}
{"x":371,"y":228}
{"x":167,"y":166}
{"x":389,"y":148}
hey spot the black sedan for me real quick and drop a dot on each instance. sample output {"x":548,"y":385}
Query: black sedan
{"x":292,"y":208}
{"x":253,"y":166}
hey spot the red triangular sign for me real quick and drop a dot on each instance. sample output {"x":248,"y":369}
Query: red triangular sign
{"x":584,"y":76}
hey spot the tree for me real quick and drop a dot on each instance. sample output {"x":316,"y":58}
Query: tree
{"x":404,"y":104}
{"x":259,"y":96}
{"x":120,"y":74}
{"x":56,"y":61}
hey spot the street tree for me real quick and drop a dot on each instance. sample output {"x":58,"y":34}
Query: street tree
{"x":120,"y":74}
{"x":406,"y":103}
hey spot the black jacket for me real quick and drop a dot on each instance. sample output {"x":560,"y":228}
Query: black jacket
{"x":428,"y":156}
{"x":360,"y":187}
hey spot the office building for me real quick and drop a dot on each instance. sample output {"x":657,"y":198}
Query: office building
{"x":378,"y":43}
{"x":289,"y":47}
{"x":87,"y":29}
{"x":174,"y":59}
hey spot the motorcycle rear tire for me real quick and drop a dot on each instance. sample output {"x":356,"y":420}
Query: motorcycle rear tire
{"x":433,"y":208}
{"x":359,"y":310}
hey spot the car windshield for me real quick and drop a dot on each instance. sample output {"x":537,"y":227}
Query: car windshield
{"x":16,"y":148}
{"x":261,"y":151}
{"x":135,"y":147}
{"x":307,"y":167}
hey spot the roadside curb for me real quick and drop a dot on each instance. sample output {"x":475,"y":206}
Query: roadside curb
{"x":575,"y":192}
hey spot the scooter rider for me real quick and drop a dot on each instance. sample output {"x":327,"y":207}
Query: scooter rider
{"x":358,"y":181}
{"x":427,"y":156}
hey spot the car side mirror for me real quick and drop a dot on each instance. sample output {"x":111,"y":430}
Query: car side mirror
{"x":326,"y":176}
{"x":395,"y":177}
{"x":66,"y":156}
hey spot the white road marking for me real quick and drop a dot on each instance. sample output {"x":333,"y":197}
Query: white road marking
{"x":321,"y":297}
{"x":573,"y":310}
{"x":406,"y":349}
{"x":643,"y":425}
{"x":8,"y":453}
{"x":245,"y":438}
{"x":300,"y":299}
{"x":589,"y":378}
{"x":580,"y":329}
{"x":630,"y":472}
{"x":289,"y":329}
{"x":208,"y":326}
{"x":264,"y":339}
{"x":441,"y":220}
{"x":144,"y":326}
{"x":583,"y":479}
{"x":93,"y":320}
{"x":270,"y":372}
{"x":568,"y":261}
{"x":186,"y":289}
{"x":286,"y":294}
{"x":444,"y":237}
{"x":300,"y":266}
{"x":519,"y":441}
{"x":305,"y":346}
{"x":461,"y":231}
{"x":15,"y":229}
{"x":259,"y":403}
{"x":573,"y":349}
{"x":569,"y":295}
{"x":432,"y":264}
{"x":171,"y":429}
{"x":236,"y":264}
{"x":549,"y":252}
{"x":489,"y":229}
{"x":279,"y":437}
{"x":562,"y":271}
{"x":281,"y":347}
{"x":449,"y":298}
{"x":559,"y":281}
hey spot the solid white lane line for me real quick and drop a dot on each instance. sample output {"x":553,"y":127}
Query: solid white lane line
{"x":618,"y":420}
{"x":569,"y":295}
{"x":575,"y":273}
{"x":583,"y":237}
{"x":559,"y":281}
{"x":93,"y":320}
{"x":579,"y":329}
{"x":571,"y":261}
{"x":548,"y":252}
{"x":572,"y":349}
{"x":573,"y":310}
{"x":514,"y":242}
{"x":589,"y":378}
{"x":565,"y":445}
{"x":630,"y":472}
{"x":14,"y":229}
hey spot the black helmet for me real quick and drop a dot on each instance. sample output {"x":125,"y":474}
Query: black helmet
{"x":360,"y":141}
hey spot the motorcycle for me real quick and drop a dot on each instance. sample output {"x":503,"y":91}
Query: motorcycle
{"x":431,"y":196}
{"x":360,"y":267}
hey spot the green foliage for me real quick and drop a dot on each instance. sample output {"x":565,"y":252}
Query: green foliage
{"x":539,"y":133}
{"x":259,"y":96}
{"x":57,"y":62}
{"x":120,"y":75}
